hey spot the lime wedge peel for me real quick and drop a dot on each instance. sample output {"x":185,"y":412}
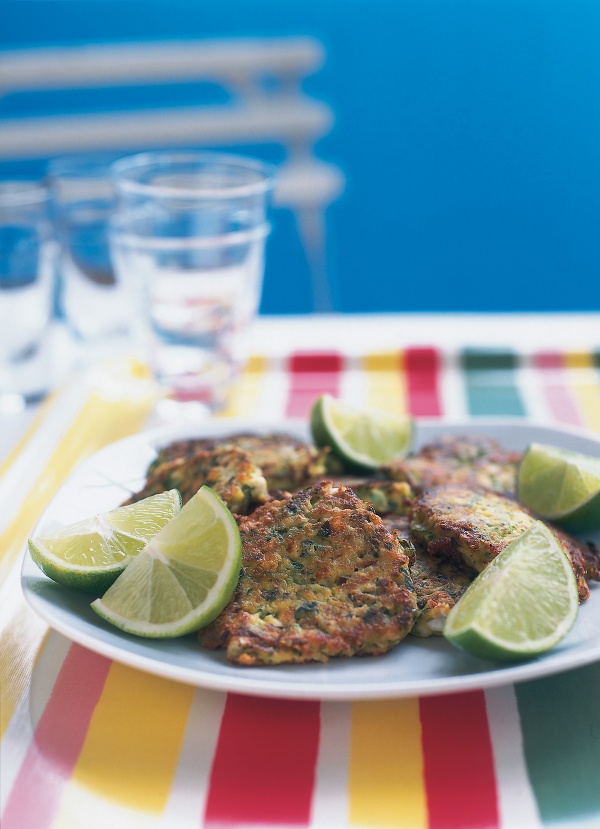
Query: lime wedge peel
{"x":90,"y":554}
{"x":521,"y":605}
{"x":183,"y":578}
{"x":363,"y":439}
{"x":561,"y":485}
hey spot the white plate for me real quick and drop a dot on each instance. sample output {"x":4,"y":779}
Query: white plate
{"x":415,"y":667}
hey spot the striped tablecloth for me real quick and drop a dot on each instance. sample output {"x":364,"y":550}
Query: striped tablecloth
{"x":91,"y":744}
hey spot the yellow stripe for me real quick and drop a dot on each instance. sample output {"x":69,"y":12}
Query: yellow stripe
{"x":20,"y":646}
{"x":386,"y":388}
{"x":33,"y":426}
{"x":585,"y":381}
{"x":133,"y":742}
{"x":99,"y":422}
{"x":243,"y":398}
{"x":579,"y":359}
{"x":386,"y":765}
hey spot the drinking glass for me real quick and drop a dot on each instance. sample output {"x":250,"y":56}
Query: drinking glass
{"x":27,"y":258}
{"x":187,"y":240}
{"x":91,"y":298}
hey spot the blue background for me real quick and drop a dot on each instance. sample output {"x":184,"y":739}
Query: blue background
{"x":468,"y":132}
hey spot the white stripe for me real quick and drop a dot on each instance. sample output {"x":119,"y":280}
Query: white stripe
{"x":274,"y":393}
{"x":353,"y":384}
{"x":187,"y":800}
{"x":528,"y":382}
{"x":11,"y":598}
{"x":517,"y":804}
{"x":452,"y":386}
{"x":35,"y":454}
{"x":330,"y":798}
{"x":82,"y":807}
{"x":45,"y":673}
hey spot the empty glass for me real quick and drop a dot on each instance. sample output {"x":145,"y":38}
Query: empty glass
{"x":187,"y":240}
{"x":27,"y":256}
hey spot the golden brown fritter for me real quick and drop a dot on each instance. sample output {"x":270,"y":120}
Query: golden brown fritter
{"x":178,"y":449}
{"x":387,"y":497}
{"x":471,"y":461}
{"x":226,"y":469}
{"x":472,"y":526}
{"x":439,"y":582}
{"x":400,"y":523}
{"x":286,"y":462}
{"x":586,"y":552}
{"x":321,"y":577}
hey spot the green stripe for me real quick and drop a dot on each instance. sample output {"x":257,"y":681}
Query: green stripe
{"x":560,"y":715}
{"x":560,"y":722}
{"x":485,"y":360}
{"x":490,"y":381}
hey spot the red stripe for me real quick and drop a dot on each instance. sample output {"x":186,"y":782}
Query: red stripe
{"x":312,"y":374}
{"x":422,"y":366}
{"x":265,"y":762}
{"x":59,"y":736}
{"x":316,"y":361}
{"x":460,"y":784}
{"x":559,"y":397}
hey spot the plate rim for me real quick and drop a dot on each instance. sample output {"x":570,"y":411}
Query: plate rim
{"x":120,"y":651}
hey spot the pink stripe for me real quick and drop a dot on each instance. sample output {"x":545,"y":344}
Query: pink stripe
{"x":312,"y":374}
{"x":555,"y":387}
{"x":548,"y":359}
{"x":422,"y":366}
{"x":59,"y":736}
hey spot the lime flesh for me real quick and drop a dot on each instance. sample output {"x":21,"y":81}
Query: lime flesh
{"x":90,"y":554}
{"x":521,"y":605}
{"x":561,"y":485}
{"x":183,"y":578}
{"x":360,"y":439}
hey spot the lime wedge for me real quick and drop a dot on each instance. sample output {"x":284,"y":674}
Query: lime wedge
{"x":561,"y":485}
{"x":522,"y":604}
{"x":90,"y":554}
{"x":183,"y":578}
{"x":360,"y":439}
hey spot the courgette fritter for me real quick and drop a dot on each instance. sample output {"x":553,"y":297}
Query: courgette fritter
{"x":228,"y":470}
{"x":439,"y":582}
{"x":471,"y":526}
{"x":286,"y":462}
{"x":321,"y":577}
{"x":471,"y":461}
{"x":387,"y":497}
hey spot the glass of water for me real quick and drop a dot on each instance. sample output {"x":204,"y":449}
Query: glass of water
{"x":91,"y":298}
{"x":187,"y":241}
{"x":27,"y":260}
